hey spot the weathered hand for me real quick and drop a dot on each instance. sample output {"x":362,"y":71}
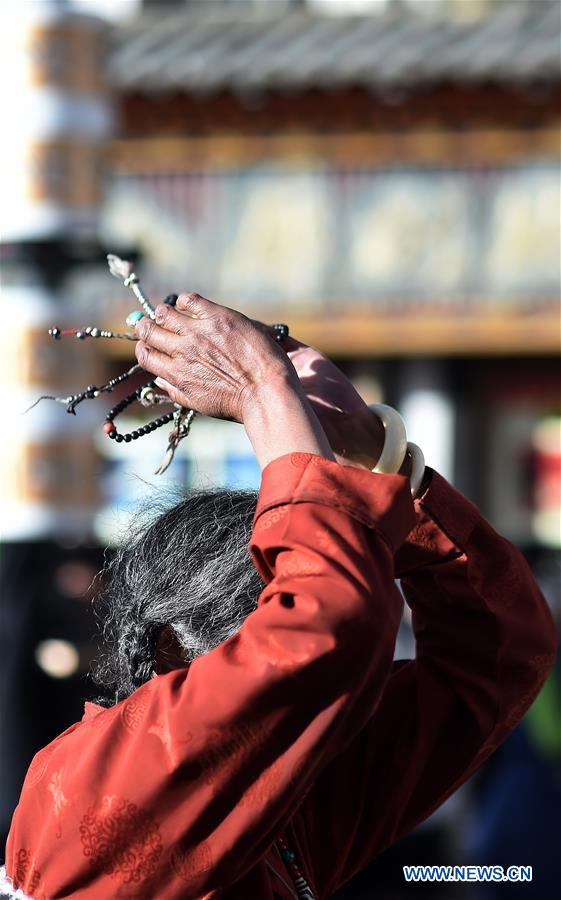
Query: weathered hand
{"x":211,"y":358}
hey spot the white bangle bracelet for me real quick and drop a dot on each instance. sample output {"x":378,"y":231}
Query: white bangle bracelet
{"x":417,"y":467}
{"x":396,"y":446}
{"x":395,"y":439}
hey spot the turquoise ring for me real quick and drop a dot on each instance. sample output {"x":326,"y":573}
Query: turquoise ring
{"x":134,"y":317}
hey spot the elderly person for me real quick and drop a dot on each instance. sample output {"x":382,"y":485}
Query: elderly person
{"x":261,"y":742}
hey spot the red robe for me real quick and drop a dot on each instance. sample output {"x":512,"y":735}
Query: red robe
{"x":300,"y":725}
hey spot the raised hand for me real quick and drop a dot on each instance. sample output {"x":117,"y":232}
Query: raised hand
{"x":211,"y":358}
{"x":222,"y":364}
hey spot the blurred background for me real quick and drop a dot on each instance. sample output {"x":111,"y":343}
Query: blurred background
{"x":382,"y":175}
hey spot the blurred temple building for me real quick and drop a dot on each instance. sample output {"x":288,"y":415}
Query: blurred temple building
{"x":385,"y":182}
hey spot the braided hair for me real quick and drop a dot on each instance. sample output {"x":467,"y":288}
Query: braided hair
{"x":138,"y":647}
{"x":188,"y":569}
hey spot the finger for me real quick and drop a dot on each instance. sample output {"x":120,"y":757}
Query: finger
{"x":170,"y":389}
{"x":153,"y":361}
{"x":198,"y":307}
{"x":155,"y":336}
{"x":168,"y":318}
{"x":163,"y":384}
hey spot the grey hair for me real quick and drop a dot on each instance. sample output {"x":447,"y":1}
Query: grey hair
{"x":188,"y":569}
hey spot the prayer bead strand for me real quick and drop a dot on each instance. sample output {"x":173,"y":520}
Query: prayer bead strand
{"x":90,"y":331}
{"x":181,"y":416}
{"x":110,"y":428}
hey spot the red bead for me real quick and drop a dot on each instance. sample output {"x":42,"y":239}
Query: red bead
{"x":109,"y":427}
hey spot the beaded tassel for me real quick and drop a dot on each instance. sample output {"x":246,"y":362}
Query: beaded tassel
{"x":89,"y":331}
{"x":181,"y":416}
{"x":90,"y":393}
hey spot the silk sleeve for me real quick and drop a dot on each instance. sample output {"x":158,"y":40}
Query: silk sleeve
{"x":485,"y":642}
{"x":183,"y":787}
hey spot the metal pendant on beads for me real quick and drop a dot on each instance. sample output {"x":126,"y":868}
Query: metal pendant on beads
{"x":147,"y":396}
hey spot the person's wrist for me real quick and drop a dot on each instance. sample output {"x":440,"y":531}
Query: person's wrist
{"x":281,"y":384}
{"x":279,"y":420}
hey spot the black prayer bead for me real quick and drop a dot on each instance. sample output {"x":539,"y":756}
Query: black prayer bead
{"x":281,"y":332}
